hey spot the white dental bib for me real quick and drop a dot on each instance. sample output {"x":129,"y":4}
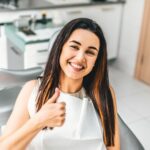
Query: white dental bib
{"x":81,"y":129}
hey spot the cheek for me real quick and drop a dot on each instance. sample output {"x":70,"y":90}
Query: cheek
{"x":65,"y":51}
{"x":65,"y":55}
{"x":62,"y":59}
{"x":91,"y":63}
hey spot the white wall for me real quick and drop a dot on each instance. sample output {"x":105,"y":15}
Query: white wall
{"x":130,"y":34}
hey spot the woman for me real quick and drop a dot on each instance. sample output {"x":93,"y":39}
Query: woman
{"x":72,"y":106}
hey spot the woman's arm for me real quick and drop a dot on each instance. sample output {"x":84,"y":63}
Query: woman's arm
{"x":21,"y":138}
{"x":19,"y":115}
{"x":20,"y":130}
{"x":117,"y":139}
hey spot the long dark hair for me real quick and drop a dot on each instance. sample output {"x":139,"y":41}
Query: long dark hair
{"x":98,"y":90}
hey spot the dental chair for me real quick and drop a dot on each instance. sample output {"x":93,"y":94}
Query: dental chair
{"x":11,"y":82}
{"x":128,"y":141}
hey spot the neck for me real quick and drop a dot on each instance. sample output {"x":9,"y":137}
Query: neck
{"x":70,"y":85}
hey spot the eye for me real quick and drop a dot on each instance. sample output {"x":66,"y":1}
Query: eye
{"x":91,"y":53}
{"x":74,"y":47}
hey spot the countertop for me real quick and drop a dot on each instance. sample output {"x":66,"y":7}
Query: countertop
{"x":44,"y":4}
{"x":20,"y":40}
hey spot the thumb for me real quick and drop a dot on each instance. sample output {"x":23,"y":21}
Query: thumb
{"x":55,"y":96}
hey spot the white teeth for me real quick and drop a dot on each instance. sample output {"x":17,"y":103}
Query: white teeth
{"x":76,"y":66}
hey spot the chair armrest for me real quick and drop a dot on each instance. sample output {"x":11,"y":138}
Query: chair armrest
{"x":128,"y":140}
{"x":2,"y":129}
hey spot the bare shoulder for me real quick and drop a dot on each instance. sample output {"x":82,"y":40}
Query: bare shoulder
{"x":20,"y":113}
{"x":112,"y":90}
{"x":25,"y":92}
{"x":30,"y":84}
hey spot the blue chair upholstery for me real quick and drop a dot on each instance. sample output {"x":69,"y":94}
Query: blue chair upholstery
{"x":11,"y":82}
{"x":128,"y":141}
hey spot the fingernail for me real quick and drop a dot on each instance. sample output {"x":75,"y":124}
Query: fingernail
{"x":56,"y":89}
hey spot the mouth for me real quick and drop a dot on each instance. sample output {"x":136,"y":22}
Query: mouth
{"x":76,"y":67}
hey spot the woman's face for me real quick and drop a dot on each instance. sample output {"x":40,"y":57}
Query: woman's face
{"x":79,"y":54}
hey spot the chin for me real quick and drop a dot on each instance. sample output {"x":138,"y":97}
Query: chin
{"x":74,"y":76}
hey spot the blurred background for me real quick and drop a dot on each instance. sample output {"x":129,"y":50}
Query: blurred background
{"x":26,"y":26}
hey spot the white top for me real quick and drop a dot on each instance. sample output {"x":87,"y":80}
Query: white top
{"x":81,"y":129}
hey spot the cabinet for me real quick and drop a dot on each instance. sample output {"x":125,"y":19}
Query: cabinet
{"x":27,"y":52}
{"x":35,"y":54}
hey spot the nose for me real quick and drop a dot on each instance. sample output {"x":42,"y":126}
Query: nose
{"x":80,"y":56}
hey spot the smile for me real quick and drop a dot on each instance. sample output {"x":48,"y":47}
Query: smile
{"x":76,"y":67}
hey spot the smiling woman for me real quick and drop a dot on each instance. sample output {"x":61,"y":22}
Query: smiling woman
{"x":72,"y":106}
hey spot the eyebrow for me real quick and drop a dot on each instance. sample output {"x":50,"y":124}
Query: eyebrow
{"x":91,"y":47}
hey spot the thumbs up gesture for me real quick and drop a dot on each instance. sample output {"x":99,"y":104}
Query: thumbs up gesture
{"x":51,"y":114}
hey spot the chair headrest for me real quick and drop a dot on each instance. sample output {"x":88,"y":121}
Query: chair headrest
{"x":53,"y":38}
{"x":10,"y":78}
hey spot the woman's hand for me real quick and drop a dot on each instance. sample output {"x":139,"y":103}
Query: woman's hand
{"x":51,"y":114}
{"x":20,"y":133}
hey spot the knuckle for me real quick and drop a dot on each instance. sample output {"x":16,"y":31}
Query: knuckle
{"x":61,"y":121}
{"x":63,"y":103}
{"x":60,"y":106}
{"x":62,"y":112}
